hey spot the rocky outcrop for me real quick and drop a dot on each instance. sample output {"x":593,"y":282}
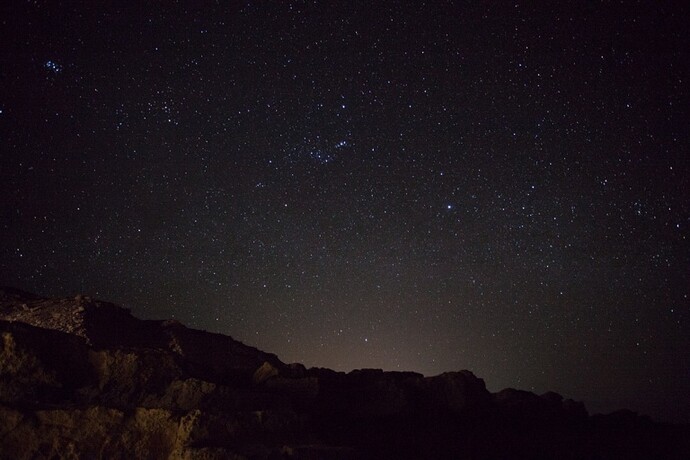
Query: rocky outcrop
{"x":80,"y":378}
{"x":105,"y":325}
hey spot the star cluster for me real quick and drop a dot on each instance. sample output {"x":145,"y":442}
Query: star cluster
{"x":428,"y":186}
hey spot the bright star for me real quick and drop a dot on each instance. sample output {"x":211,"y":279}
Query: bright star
{"x":53,"y":66}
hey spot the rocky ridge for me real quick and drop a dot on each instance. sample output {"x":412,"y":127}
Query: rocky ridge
{"x":82,"y":378}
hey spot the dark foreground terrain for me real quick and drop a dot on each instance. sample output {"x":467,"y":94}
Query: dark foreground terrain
{"x":81,"y":378}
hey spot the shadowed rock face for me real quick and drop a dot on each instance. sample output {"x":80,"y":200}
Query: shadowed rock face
{"x":81,"y":378}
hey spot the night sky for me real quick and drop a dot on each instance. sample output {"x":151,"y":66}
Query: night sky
{"x":490,"y":186}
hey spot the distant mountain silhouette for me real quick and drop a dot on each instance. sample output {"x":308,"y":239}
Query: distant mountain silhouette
{"x":81,"y":378}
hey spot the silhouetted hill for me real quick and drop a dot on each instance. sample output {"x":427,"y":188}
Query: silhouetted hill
{"x":81,"y":378}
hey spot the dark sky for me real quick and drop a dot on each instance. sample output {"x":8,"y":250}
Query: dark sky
{"x":489,"y":186}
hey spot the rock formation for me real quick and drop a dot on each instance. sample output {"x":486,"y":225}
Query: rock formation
{"x":81,"y":378}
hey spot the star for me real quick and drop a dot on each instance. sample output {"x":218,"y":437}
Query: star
{"x":53,"y":66}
